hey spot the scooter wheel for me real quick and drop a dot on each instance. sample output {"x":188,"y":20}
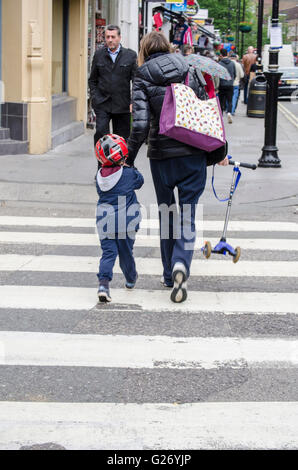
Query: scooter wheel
{"x":237,"y":254}
{"x":207,"y":250}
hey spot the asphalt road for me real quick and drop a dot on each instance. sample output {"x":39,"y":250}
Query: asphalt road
{"x":291,"y":109}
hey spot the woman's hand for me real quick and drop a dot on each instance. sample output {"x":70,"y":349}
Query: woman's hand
{"x":224,"y":162}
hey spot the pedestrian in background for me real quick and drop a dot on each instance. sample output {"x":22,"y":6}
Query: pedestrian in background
{"x":187,"y":50}
{"x":225,"y":90}
{"x":112,"y":72}
{"x":247,"y":60}
{"x":173,"y":163}
{"x":236,"y":84}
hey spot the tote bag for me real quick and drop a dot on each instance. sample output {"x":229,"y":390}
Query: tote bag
{"x":195,"y":122}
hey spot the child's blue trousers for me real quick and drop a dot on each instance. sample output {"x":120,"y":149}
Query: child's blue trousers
{"x":111,"y":248}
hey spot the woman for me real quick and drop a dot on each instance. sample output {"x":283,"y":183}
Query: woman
{"x":173,"y":164}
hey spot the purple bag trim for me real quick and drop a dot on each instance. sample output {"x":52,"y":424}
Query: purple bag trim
{"x":168,"y":111}
{"x":167,"y":126}
{"x":194,"y":139}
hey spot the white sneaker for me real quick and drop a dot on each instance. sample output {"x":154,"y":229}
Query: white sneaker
{"x":230,"y":119}
{"x":179,"y":292}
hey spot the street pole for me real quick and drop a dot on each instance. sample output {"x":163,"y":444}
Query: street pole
{"x":242,"y":37}
{"x":229,"y":16}
{"x":269,"y":156}
{"x":260,"y":32}
{"x":237,"y":25}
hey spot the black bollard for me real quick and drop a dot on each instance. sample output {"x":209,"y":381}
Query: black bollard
{"x":269,"y":156}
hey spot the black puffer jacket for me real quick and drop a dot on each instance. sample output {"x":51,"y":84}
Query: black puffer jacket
{"x":149,"y":89}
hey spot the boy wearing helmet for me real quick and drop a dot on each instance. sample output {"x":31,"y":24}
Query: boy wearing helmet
{"x":118,"y":212}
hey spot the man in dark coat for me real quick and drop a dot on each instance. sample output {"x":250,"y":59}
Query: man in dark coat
{"x":112,"y":72}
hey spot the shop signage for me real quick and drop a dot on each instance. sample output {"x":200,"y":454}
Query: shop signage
{"x":201,"y":14}
{"x":192,"y":10}
{"x":100,"y":22}
{"x":179,"y":6}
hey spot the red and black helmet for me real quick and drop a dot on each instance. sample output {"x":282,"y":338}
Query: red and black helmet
{"x":111,"y":150}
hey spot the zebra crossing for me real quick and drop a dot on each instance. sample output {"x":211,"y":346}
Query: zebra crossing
{"x":216,"y":372}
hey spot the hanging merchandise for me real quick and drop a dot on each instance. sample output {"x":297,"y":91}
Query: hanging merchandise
{"x":187,"y":38}
{"x":179,"y":32}
{"x":100,"y":31}
{"x":157,"y":21}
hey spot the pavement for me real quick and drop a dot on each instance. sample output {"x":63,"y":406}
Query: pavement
{"x":61,"y":182}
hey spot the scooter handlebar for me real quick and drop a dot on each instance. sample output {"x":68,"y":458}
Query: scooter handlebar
{"x":244,"y":165}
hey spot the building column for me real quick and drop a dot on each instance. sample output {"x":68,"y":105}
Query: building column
{"x":27,"y":48}
{"x":39,"y":75}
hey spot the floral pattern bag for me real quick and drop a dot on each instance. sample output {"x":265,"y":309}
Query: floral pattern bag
{"x":195,"y":122}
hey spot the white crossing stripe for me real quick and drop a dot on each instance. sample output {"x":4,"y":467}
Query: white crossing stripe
{"x":221,"y":425}
{"x":210,"y":225}
{"x":55,"y":349}
{"x":148,"y":266}
{"x":79,"y":239}
{"x":80,"y":298}
{"x":47,"y":221}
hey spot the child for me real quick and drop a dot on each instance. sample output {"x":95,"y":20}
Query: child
{"x":118,"y":212}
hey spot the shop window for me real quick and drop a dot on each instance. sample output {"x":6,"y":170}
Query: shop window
{"x":60,"y":46}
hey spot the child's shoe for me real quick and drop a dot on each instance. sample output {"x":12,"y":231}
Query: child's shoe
{"x":104,"y":293}
{"x":168,"y":285}
{"x":131,"y":285}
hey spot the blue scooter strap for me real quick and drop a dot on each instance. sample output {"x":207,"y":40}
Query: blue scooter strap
{"x":236,"y":184}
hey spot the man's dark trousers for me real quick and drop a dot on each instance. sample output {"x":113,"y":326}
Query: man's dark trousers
{"x":225,"y":95}
{"x":121,"y":124}
{"x":188,"y":174}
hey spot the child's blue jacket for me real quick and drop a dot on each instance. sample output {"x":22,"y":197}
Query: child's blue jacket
{"x":118,"y":210}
